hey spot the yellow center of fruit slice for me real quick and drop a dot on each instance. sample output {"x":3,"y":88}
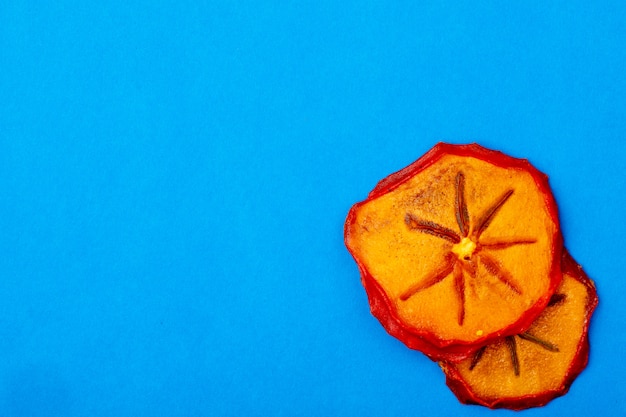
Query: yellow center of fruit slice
{"x":462,"y":249}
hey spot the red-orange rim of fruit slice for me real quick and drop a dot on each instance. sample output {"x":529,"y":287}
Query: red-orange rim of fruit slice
{"x":384,"y":303}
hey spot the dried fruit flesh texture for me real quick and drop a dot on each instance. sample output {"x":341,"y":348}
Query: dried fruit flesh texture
{"x":460,"y":247}
{"x":533,"y":367}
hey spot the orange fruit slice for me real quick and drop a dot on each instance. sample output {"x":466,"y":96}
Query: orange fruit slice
{"x":461,"y":247}
{"x":532,"y":368}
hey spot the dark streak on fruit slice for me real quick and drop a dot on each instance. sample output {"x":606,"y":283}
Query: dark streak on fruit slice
{"x":556,"y":299}
{"x":512,"y":346}
{"x":490,"y":264}
{"x":543,"y":343}
{"x":504,"y":243}
{"x":431,"y":228}
{"x":462,"y":215}
{"x":477,"y":356}
{"x":485,"y":220}
{"x":431,"y":280}
{"x":459,"y":286}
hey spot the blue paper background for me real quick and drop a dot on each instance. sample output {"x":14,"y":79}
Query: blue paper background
{"x":174,"y":178}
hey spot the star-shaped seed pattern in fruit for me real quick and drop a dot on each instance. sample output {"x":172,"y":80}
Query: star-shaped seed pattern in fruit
{"x":467,"y":249}
{"x":457,"y":249}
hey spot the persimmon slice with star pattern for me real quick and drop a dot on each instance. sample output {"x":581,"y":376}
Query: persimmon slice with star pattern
{"x":461,"y":247}
{"x":533,"y":367}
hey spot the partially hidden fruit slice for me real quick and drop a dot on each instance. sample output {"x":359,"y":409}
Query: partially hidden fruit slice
{"x":459,"y":248}
{"x":532,"y":368}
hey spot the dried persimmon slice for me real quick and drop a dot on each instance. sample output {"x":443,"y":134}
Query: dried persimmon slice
{"x":532,"y":368}
{"x":461,"y":247}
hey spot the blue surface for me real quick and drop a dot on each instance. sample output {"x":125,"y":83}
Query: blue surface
{"x":175,"y":177}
